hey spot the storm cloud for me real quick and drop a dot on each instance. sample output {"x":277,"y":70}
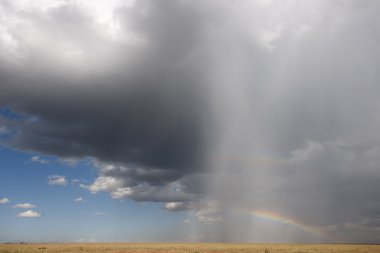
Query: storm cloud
{"x":130,"y":101}
{"x":218,"y":108}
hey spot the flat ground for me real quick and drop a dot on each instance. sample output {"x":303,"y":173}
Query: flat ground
{"x":187,"y":247}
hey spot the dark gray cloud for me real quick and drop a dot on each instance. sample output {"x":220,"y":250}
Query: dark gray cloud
{"x":216,"y":108}
{"x":136,"y":104}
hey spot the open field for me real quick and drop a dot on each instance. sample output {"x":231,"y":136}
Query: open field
{"x":187,"y":247}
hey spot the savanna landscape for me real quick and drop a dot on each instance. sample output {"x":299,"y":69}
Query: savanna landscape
{"x":144,"y":125}
{"x":188,"y":248}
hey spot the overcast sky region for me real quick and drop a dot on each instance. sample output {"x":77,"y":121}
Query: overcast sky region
{"x":190,"y":120}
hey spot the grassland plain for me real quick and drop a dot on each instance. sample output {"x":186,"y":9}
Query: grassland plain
{"x":187,"y":247}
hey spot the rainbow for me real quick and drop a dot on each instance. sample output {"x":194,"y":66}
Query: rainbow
{"x":272,"y":216}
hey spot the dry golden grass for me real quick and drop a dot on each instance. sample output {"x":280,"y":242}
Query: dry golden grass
{"x":187,"y":247}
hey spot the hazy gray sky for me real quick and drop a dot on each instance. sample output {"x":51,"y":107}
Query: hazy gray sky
{"x":259,"y":119}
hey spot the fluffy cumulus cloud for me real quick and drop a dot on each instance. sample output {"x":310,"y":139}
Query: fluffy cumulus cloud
{"x":218,"y":108}
{"x":57,"y":180}
{"x":145,"y":184}
{"x":29,"y":214}
{"x":24,"y":205}
{"x":4,"y":201}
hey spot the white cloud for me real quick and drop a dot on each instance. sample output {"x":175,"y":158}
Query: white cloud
{"x":80,"y":200}
{"x":121,"y":193}
{"x":124,"y":182}
{"x":177,"y":206}
{"x":104,"y":183}
{"x":38,"y":159}
{"x":57,"y":180}
{"x":100,"y":213}
{"x":29,"y":214}
{"x":75,"y":181}
{"x":4,"y":201}
{"x":69,"y":161}
{"x":24,"y":205}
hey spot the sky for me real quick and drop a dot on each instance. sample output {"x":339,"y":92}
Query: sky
{"x":179,"y":120}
